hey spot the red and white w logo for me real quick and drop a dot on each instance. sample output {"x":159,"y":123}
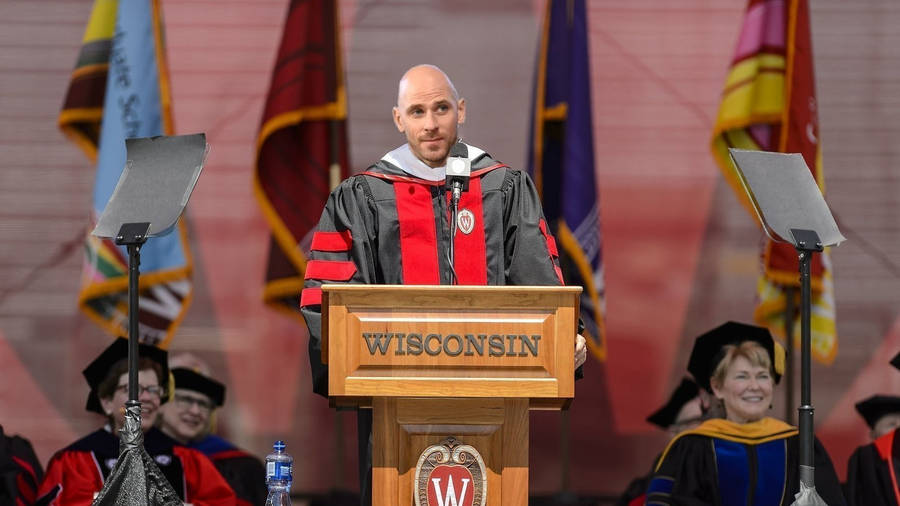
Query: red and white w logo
{"x":445,"y":480}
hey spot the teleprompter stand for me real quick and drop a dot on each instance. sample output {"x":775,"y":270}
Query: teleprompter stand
{"x":159,"y":176}
{"x":791,"y":209}
{"x":133,"y":236}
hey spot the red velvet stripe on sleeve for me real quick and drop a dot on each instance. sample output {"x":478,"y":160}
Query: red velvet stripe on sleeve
{"x":310,"y":297}
{"x":551,"y":247}
{"x":26,"y":482}
{"x":25,"y":466}
{"x":329,"y":270}
{"x":332,"y":241}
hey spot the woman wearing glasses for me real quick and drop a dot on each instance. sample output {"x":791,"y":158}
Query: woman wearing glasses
{"x":76,"y":473}
{"x":189,"y":419}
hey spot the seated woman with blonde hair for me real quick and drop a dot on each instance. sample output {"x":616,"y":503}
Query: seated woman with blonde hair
{"x":747,"y":458}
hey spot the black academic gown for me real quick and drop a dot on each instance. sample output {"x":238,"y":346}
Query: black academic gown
{"x":244,"y":472}
{"x":20,"y":471}
{"x":872,"y":473}
{"x":722,"y":463}
{"x":384,"y":226}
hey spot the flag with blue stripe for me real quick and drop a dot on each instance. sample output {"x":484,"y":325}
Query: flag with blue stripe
{"x":136,"y":104}
{"x":561,"y":159}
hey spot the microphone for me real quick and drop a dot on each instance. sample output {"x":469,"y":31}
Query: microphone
{"x":459,"y":168}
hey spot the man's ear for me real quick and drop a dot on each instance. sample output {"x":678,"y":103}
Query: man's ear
{"x":461,"y":111}
{"x":395,"y":113}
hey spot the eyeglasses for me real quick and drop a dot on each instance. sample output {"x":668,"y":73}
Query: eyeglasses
{"x":186,"y":401}
{"x":154,"y":390}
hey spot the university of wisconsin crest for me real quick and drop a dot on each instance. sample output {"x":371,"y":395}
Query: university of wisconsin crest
{"x":465,"y":221}
{"x":450,"y":474}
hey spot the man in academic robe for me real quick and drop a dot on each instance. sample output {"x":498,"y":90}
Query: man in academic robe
{"x":390,"y":224}
{"x":681,"y":412}
{"x":872,"y":475}
{"x":188,"y":419}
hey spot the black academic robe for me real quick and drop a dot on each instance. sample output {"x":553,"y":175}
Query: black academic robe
{"x":384,"y":226}
{"x":872,"y":473}
{"x":20,"y":471}
{"x":244,"y":472}
{"x":722,"y":463}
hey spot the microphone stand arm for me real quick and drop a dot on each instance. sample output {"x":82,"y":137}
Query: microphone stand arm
{"x":455,"y":194}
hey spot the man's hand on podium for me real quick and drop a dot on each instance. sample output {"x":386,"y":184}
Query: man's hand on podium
{"x":580,"y":350}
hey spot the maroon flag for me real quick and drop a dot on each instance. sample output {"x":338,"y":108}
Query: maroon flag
{"x":302,"y":144}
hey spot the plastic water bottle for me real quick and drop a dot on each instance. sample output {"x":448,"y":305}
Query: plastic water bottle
{"x":278,"y":476}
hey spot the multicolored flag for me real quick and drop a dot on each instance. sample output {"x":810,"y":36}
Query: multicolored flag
{"x":561,"y":159}
{"x":769,"y":104}
{"x":82,"y":110}
{"x":120,"y":89}
{"x":302,"y":145}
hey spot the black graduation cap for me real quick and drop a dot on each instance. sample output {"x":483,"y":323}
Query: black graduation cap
{"x":707,"y":347}
{"x":97,"y":370}
{"x":875,"y":407}
{"x":189,"y":379}
{"x":665,"y":416}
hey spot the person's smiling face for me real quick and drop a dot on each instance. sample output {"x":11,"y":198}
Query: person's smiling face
{"x":186,"y":417}
{"x":149,"y":393}
{"x":746,"y":391}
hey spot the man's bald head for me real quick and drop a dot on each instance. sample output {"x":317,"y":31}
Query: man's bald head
{"x":428,"y":112}
{"x":424,"y":73}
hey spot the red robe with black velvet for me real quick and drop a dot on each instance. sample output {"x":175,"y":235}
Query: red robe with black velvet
{"x":386,"y":227}
{"x":77,"y":472}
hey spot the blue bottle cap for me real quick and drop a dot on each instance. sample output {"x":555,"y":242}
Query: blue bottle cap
{"x":279,"y":446}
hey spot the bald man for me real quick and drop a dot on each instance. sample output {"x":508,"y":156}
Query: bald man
{"x":391,"y":225}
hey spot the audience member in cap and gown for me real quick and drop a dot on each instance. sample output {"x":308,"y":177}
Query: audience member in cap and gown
{"x":872,"y":473}
{"x":683,"y":411}
{"x":76,"y":473}
{"x":20,"y":471}
{"x":747,"y":457}
{"x":189,"y":419}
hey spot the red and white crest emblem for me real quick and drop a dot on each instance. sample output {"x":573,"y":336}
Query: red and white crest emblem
{"x":450,"y":474}
{"x":465,"y":221}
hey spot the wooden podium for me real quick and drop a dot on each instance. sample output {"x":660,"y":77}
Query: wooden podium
{"x":460,"y":362}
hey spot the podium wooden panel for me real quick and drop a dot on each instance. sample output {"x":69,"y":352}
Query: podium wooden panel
{"x":441,"y":361}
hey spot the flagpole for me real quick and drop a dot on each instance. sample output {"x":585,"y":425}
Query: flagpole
{"x":334,"y":169}
{"x":789,"y":311}
{"x":564,"y":452}
{"x":334,"y":179}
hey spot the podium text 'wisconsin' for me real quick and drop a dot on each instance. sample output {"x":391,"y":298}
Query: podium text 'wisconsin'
{"x":450,"y":372}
